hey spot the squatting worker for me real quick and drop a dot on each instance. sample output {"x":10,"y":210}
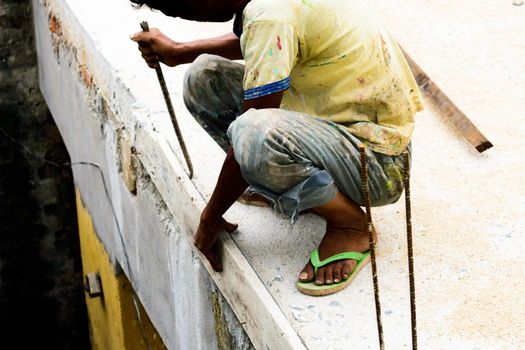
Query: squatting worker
{"x":320,"y":78}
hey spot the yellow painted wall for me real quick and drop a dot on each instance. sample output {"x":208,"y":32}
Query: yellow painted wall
{"x":113,"y":320}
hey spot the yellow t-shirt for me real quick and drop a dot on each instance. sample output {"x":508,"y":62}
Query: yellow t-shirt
{"x":336,"y":61}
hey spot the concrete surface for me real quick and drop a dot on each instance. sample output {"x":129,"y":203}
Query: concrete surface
{"x":466,"y":206}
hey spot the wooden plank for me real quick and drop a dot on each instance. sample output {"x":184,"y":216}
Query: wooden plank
{"x":447,"y":108}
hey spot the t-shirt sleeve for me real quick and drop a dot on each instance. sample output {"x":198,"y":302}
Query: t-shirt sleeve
{"x":270,"y":52}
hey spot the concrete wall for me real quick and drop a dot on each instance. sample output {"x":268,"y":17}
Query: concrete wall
{"x":139,"y":234}
{"x":41,"y":292}
{"x":115,"y":321}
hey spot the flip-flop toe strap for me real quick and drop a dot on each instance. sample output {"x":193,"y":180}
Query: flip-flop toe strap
{"x":317,"y":263}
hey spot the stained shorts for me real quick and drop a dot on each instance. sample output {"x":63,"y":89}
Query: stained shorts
{"x":297,"y":161}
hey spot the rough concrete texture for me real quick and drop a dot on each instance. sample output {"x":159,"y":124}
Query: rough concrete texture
{"x":98,"y":118}
{"x":41,"y":290}
{"x":466,"y":206}
{"x":115,"y":321}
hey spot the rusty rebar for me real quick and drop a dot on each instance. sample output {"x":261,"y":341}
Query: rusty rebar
{"x":408,"y":211}
{"x":145,"y":27}
{"x":371,"y":243}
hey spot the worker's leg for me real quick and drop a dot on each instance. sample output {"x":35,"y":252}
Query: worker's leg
{"x":301,"y":162}
{"x":213,"y":94}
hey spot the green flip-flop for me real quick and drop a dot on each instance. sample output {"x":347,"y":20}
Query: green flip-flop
{"x":310,"y":288}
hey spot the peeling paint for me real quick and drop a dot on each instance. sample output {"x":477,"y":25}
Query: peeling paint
{"x":54,"y":25}
{"x":66,"y":51}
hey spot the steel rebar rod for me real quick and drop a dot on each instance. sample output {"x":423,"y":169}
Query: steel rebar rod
{"x":408,"y":211}
{"x":371,"y":243}
{"x":145,"y":27}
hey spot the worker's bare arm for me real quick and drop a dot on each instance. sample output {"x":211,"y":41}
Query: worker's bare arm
{"x":229,"y":187}
{"x":157,"y":47}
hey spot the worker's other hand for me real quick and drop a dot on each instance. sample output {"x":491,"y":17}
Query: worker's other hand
{"x":206,"y":239}
{"x":157,"y":47}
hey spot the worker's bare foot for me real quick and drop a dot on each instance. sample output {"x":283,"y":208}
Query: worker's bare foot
{"x":206,"y":238}
{"x":255,"y":199}
{"x":345,"y":232}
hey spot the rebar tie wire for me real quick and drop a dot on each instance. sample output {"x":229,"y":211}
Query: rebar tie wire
{"x":145,"y":27}
{"x":366,"y":200}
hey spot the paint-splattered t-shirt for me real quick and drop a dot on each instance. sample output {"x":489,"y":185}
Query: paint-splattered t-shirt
{"x":335,"y":60}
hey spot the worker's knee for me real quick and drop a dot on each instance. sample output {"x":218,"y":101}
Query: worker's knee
{"x":213,"y":83}
{"x":198,"y":72}
{"x":253,"y":134}
{"x":196,"y":81}
{"x":258,"y":143}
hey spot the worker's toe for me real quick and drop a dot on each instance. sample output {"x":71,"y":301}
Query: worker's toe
{"x":338,"y":268}
{"x":320,"y":276}
{"x":329,"y":274}
{"x":348,"y":266}
{"x":307,"y":274}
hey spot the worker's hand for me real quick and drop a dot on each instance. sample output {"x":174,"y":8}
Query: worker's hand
{"x":206,"y":239}
{"x":157,"y":47}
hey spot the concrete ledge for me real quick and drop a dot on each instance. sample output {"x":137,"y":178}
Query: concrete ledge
{"x":86,"y":94}
{"x":110,"y":111}
{"x":253,"y":304}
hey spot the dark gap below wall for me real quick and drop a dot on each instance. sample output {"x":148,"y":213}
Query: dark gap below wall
{"x":41,"y":294}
